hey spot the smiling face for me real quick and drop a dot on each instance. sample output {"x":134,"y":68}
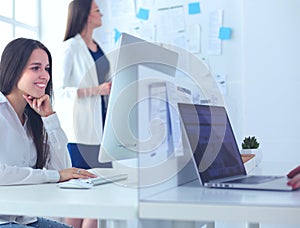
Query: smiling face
{"x":35,"y":75}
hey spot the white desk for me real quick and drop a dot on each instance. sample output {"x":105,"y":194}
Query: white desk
{"x":114,"y":202}
{"x":104,"y":202}
{"x":203,"y":204}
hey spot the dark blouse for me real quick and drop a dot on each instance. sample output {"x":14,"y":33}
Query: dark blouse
{"x":102,"y":66}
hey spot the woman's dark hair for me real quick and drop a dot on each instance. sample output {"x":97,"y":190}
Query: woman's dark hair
{"x":78,"y":14}
{"x":13,"y":61}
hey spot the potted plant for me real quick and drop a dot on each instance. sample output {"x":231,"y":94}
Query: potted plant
{"x":250,"y":145}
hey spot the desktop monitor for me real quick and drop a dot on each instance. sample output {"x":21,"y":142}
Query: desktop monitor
{"x":122,"y":129}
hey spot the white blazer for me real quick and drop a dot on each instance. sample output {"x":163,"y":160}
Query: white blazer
{"x":73,"y":68}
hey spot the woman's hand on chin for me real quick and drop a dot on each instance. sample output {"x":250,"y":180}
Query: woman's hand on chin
{"x":41,"y":105}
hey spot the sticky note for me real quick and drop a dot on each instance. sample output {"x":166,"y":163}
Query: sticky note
{"x":143,"y":14}
{"x":224,"y":33}
{"x":194,"y":8}
{"x":117,"y":35}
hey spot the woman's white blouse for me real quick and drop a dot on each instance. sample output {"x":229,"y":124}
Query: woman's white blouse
{"x":18,"y":152}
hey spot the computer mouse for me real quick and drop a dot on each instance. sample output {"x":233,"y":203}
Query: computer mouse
{"x":75,"y":183}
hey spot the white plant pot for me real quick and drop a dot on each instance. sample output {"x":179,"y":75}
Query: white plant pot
{"x":257,"y":152}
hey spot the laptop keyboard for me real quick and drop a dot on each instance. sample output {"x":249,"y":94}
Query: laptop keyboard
{"x":254,"y":179}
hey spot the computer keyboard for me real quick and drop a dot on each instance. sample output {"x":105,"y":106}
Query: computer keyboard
{"x":103,"y":180}
{"x":254,"y":179}
{"x":90,"y":182}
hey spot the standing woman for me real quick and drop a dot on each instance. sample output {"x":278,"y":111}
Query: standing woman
{"x":79,"y":84}
{"x":81,"y":88}
{"x":32,"y":144}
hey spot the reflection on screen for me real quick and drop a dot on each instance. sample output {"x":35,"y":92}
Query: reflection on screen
{"x":212,"y":141}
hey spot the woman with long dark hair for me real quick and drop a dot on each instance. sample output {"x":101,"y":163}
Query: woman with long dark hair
{"x":33,"y":146}
{"x":80,"y":84}
{"x":81,"y":88}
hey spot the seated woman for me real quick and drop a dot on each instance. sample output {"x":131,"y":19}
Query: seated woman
{"x":33,"y":147}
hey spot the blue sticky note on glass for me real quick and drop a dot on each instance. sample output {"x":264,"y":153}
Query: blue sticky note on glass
{"x":225,"y":33}
{"x":117,"y":35}
{"x":194,"y":8}
{"x":143,"y":14}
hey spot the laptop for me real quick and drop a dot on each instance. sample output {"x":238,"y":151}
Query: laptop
{"x":215,"y":151}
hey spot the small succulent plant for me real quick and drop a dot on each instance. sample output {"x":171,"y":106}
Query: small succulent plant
{"x":250,"y":143}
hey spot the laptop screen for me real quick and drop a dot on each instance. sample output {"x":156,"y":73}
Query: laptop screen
{"x":212,"y":141}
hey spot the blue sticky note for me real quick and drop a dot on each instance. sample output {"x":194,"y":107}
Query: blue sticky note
{"x":117,"y":35}
{"x":143,"y":14}
{"x":194,"y":8}
{"x":225,"y":33}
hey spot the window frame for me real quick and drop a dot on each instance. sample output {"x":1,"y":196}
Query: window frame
{"x":16,"y":23}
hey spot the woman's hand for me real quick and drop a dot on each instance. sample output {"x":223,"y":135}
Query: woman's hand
{"x":294,"y":174}
{"x":74,"y":173}
{"x":103,"y":89}
{"x":41,"y":105}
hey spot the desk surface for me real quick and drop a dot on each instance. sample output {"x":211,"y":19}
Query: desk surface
{"x":115,"y":202}
{"x":200,"y":204}
{"x":109,"y":201}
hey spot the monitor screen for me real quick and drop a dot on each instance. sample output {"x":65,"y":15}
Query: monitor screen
{"x":122,"y":129}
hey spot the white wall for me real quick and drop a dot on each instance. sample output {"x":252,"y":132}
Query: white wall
{"x":271,"y":71}
{"x":54,"y":20}
{"x":260,"y":61}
